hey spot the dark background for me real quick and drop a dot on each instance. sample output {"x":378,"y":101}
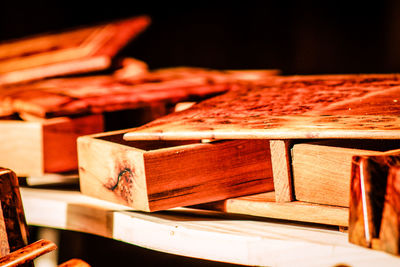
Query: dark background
{"x":298,"y":37}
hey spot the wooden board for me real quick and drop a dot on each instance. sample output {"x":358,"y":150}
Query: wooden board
{"x":33,"y":148}
{"x":336,"y":106}
{"x":74,"y":51}
{"x":264,"y":205}
{"x":97,"y":94}
{"x":322,"y":170}
{"x":153,"y":176}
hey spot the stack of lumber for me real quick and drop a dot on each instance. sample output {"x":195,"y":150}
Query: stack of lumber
{"x":300,"y":131}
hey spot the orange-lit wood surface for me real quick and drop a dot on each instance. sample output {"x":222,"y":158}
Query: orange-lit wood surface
{"x":69,"y":52}
{"x":331,"y":106}
{"x":201,"y":234}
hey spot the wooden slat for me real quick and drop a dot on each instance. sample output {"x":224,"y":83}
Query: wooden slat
{"x":27,"y":253}
{"x":264,"y":205}
{"x":281,"y":168}
{"x":330,"y":107}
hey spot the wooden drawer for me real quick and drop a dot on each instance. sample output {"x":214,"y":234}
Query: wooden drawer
{"x":322,"y":170}
{"x":157,"y":175}
{"x":33,"y":148}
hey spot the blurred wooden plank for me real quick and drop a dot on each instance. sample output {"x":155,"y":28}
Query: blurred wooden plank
{"x":97,"y":94}
{"x":341,"y":106}
{"x":69,"y":52}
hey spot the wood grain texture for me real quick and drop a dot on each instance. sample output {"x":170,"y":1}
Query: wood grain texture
{"x":69,"y":52}
{"x":341,"y":106}
{"x":27,"y":253}
{"x":322,"y":170}
{"x":265,"y":205}
{"x":281,"y":168}
{"x":97,"y":94}
{"x":154,"y":176}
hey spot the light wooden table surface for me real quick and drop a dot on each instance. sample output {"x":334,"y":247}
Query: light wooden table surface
{"x":201,"y":234}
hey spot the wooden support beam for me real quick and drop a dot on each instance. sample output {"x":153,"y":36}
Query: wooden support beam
{"x":281,"y":169}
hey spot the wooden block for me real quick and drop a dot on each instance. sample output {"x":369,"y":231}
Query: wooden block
{"x":76,"y":51}
{"x":33,"y":148}
{"x":389,"y":234}
{"x":281,"y":168}
{"x":368,"y":187}
{"x":322,"y":170}
{"x":153,"y":176}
